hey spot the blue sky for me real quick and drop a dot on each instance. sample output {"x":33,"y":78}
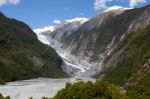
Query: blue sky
{"x":40,"y":13}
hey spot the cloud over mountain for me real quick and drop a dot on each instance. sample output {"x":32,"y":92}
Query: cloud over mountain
{"x":7,"y":2}
{"x":134,"y":3}
{"x":102,"y":4}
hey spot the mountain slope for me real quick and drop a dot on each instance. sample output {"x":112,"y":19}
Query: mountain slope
{"x":90,"y":43}
{"x":134,"y":58}
{"x":77,"y":41}
{"x":120,"y":53}
{"x":94,"y":42}
{"x":132,"y":69}
{"x":22,"y":56}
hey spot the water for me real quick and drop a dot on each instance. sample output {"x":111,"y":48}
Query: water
{"x":37,"y":88}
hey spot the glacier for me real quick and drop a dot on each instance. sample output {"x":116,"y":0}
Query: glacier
{"x":77,"y":66}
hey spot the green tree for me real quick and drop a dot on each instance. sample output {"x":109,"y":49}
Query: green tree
{"x":88,"y":90}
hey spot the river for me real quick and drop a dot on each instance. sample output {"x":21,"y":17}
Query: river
{"x":37,"y":88}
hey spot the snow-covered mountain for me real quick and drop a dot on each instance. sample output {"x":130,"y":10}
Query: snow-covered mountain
{"x":75,"y":41}
{"x":63,"y":27}
{"x":88,"y":44}
{"x":53,"y":35}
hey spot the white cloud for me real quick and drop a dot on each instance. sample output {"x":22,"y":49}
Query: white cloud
{"x":57,"y":21}
{"x":6,"y":2}
{"x":134,"y":3}
{"x":100,"y":4}
{"x":14,"y":1}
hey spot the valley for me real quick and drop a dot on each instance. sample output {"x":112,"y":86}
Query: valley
{"x":111,"y":49}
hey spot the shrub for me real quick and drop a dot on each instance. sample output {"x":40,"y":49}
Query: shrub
{"x":88,"y":90}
